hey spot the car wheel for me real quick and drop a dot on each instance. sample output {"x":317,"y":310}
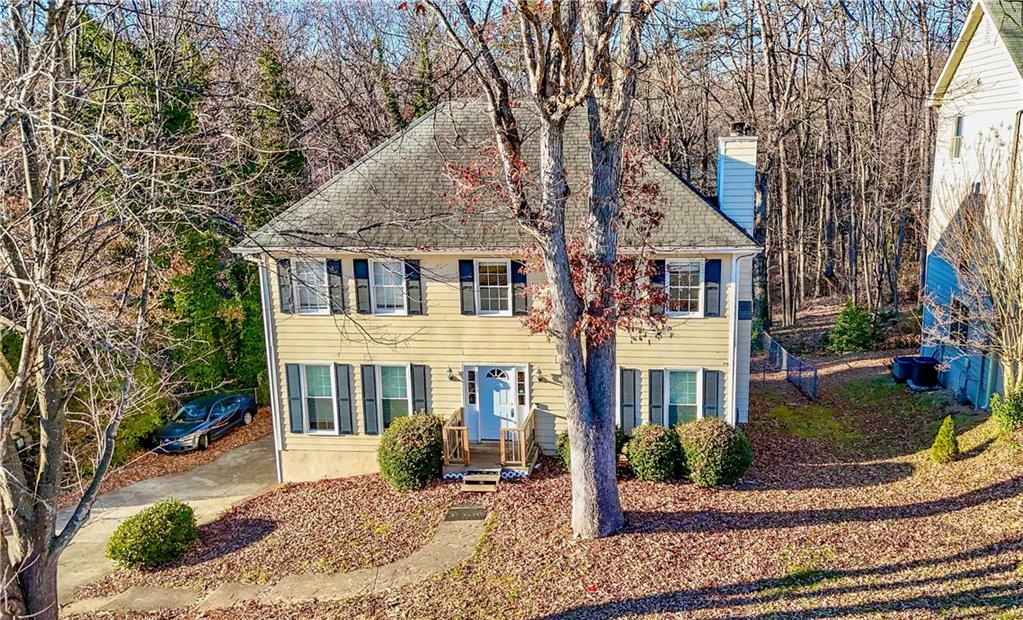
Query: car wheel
{"x":247,"y":418}
{"x":204,"y":442}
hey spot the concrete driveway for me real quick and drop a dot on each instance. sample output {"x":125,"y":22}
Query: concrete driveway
{"x":209,"y":489}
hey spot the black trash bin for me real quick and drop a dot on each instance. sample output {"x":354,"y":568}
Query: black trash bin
{"x":902,"y":368}
{"x":925,"y":372}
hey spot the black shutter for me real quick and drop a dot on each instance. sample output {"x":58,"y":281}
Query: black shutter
{"x":657,"y":281}
{"x":628,"y":409}
{"x":284,"y":286}
{"x":335,"y":287}
{"x":414,"y":286}
{"x":467,"y":286}
{"x":369,"y":400}
{"x":520,"y":304}
{"x":657,"y":397}
{"x":712,"y":288}
{"x":293,"y":375}
{"x":363,"y":301}
{"x":420,"y":383}
{"x":343,"y":379}
{"x":712,"y":393}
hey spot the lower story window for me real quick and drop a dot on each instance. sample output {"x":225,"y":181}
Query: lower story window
{"x":319,"y":398}
{"x":394,"y":393}
{"x":683,"y":396}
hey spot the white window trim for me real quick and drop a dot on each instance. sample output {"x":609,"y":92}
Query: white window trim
{"x":958,"y":133}
{"x":699,"y":389}
{"x":701,"y":294}
{"x":295,"y":283}
{"x":380,"y":390}
{"x":372,"y":288}
{"x":476,"y":284}
{"x":333,"y":399}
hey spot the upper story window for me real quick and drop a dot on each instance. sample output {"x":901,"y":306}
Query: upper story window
{"x":388,"y":277}
{"x":957,"y":137}
{"x":310,"y":286}
{"x":493,"y":287}
{"x":683,"y":283}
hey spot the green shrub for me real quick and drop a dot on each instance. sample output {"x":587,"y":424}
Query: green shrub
{"x":1008,"y":412}
{"x":156,"y":535}
{"x":715,"y":452}
{"x":138,"y":425}
{"x":945,"y":448}
{"x":856,"y":330}
{"x":654,"y":453}
{"x":565,"y":452}
{"x":411,"y":451}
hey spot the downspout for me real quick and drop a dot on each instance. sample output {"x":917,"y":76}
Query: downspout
{"x":270,"y":340}
{"x":733,"y":330}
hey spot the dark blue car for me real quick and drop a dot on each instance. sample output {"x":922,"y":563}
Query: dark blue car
{"x":202,"y":420}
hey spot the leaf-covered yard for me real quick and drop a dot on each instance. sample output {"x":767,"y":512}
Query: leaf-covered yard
{"x":842,"y":515}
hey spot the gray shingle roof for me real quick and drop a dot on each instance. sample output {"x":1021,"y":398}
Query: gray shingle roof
{"x":1007,"y":16}
{"x":401,"y":195}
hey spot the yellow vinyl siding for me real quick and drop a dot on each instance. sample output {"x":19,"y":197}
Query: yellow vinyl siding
{"x":443,"y":338}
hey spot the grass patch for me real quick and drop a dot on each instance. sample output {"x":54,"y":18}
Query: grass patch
{"x":806,"y":567}
{"x":813,"y":421}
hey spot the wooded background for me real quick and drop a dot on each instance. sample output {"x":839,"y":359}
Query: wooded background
{"x":835,"y":90}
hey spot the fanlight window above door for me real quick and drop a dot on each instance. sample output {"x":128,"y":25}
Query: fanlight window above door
{"x":497,"y":373}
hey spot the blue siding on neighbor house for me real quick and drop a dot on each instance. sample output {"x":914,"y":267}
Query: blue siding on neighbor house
{"x":968,"y":372}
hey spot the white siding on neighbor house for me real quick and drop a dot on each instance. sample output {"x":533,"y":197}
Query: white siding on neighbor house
{"x":743,"y":344}
{"x":987,"y":90}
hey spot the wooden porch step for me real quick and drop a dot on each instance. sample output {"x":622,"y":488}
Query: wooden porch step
{"x":481,"y":480}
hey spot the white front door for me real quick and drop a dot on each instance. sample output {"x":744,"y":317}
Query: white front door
{"x":497,"y":401}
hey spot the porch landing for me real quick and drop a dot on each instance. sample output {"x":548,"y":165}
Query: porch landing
{"x":487,"y":455}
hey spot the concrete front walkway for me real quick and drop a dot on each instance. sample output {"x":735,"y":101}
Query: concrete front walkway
{"x":208,"y":489}
{"x":454,"y":542}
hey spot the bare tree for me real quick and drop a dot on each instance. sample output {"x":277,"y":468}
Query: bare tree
{"x":983,"y":243}
{"x":573,"y":54}
{"x":91,"y":167}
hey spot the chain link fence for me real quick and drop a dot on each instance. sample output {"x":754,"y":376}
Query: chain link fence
{"x":801,"y":374}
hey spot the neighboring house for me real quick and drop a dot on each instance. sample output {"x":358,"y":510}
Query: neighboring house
{"x":979,"y":99}
{"x":383,"y":296}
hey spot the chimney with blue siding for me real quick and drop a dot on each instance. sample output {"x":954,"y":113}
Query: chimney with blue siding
{"x":737,"y":168}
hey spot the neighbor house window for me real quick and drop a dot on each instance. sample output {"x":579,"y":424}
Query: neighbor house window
{"x":684,"y":286}
{"x":493,"y":287}
{"x":959,"y":326}
{"x":318,"y":398}
{"x":310,"y":280}
{"x":957,"y":136}
{"x":683,"y":395}
{"x":394,"y":393}
{"x":388,"y":277}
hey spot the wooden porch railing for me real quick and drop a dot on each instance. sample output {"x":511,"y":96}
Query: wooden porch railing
{"x":456,"y":439}
{"x":518,"y":442}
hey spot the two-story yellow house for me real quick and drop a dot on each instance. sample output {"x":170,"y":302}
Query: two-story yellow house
{"x":384,"y":295}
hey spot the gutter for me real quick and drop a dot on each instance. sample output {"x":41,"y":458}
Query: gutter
{"x":273,"y":379}
{"x":733,"y":329}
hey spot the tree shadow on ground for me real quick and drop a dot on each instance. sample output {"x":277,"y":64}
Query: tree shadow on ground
{"x":724,"y":521}
{"x":223,"y":537}
{"x":839,"y":476}
{"x":1002,"y":594}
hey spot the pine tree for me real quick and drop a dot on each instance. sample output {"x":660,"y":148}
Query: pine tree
{"x":946,"y":445}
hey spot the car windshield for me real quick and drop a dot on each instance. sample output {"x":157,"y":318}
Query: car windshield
{"x":190,"y":413}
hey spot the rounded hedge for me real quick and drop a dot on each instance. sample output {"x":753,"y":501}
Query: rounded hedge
{"x":411,"y":451}
{"x":654,"y":454}
{"x":945,"y":448}
{"x":565,"y":450}
{"x":156,"y":535}
{"x":715,"y":452}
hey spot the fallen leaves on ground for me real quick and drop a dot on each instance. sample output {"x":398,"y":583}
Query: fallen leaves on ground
{"x":808,"y":534}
